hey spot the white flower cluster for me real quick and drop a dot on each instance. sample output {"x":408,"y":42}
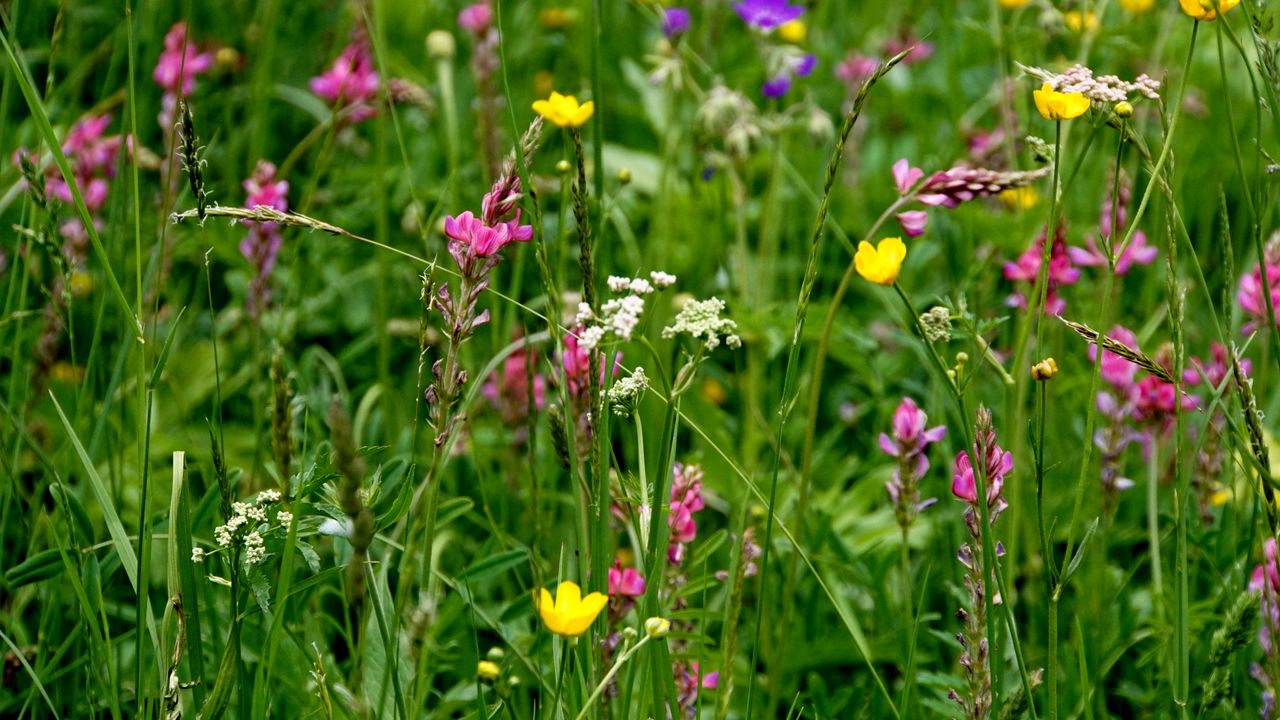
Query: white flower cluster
{"x":244,"y":524}
{"x":626,"y":392}
{"x":701,"y":320}
{"x":1103,"y":88}
{"x":619,"y":316}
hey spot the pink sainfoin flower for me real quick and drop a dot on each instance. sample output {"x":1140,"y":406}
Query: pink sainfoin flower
{"x":1026,"y":269}
{"x":909,"y":444}
{"x":180,"y":62}
{"x":1265,"y":583}
{"x":484,"y":240}
{"x":1137,"y":252}
{"x":905,"y":176}
{"x":262,"y":245}
{"x":689,"y":680}
{"x":976,"y":654}
{"x":350,"y":83}
{"x":997,"y":463}
{"x":686,"y":499}
{"x":1117,"y":371}
{"x":1252,"y":295}
{"x":476,"y":18}
{"x":625,"y":581}
{"x":508,"y":390}
{"x":1217,"y":373}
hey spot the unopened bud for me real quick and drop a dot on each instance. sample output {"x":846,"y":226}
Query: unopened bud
{"x":1124,"y":109}
{"x":657,"y":627}
{"x":488,"y":671}
{"x":563,"y":167}
{"x":624,"y":176}
{"x":441,"y":45}
{"x":1044,"y":369}
{"x":962,"y":357}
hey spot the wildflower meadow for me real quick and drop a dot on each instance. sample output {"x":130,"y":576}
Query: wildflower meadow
{"x":611,"y":359}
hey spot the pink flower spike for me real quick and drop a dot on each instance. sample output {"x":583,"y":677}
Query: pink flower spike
{"x":905,"y":176}
{"x":476,"y":18}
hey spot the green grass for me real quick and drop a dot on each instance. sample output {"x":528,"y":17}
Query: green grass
{"x":141,"y":402}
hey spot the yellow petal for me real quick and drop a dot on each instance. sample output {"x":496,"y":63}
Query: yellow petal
{"x":1073,"y":105}
{"x":893,"y":251}
{"x":1042,"y":98}
{"x":580,"y":621}
{"x":584,"y":113}
{"x":542,"y":107}
{"x":568,"y":597}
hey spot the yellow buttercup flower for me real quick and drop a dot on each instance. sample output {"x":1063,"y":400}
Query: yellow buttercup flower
{"x":882,"y":263}
{"x":488,"y":671}
{"x":1023,"y":198}
{"x":569,"y":614}
{"x":1077,"y":21}
{"x":793,"y":32}
{"x":1013,"y":4}
{"x":1137,"y":6}
{"x":564,"y":110}
{"x":1206,"y":9}
{"x":1054,"y":105}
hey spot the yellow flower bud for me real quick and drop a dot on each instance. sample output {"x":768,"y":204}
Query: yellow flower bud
{"x":1044,"y":370}
{"x":657,"y":627}
{"x":624,"y":176}
{"x":1124,"y":109}
{"x":488,"y":671}
{"x":564,"y":167}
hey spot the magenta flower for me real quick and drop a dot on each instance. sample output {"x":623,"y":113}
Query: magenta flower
{"x":261,"y":246}
{"x":1252,"y":294}
{"x":350,"y":82}
{"x":1117,"y":371}
{"x":765,"y":15}
{"x":476,"y":18}
{"x":1138,"y":251}
{"x":485,"y":241}
{"x":909,"y":444}
{"x":963,"y":485}
{"x":997,"y":463}
{"x":1216,"y":370}
{"x":180,"y":62}
{"x":625,"y":581}
{"x":1027,"y":269}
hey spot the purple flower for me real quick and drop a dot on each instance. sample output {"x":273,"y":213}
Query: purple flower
{"x":675,"y":21}
{"x":1117,"y":371}
{"x":805,"y":65}
{"x":777,"y":87}
{"x":765,"y":15}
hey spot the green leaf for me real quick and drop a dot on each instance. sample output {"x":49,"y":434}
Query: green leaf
{"x":494,"y":565}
